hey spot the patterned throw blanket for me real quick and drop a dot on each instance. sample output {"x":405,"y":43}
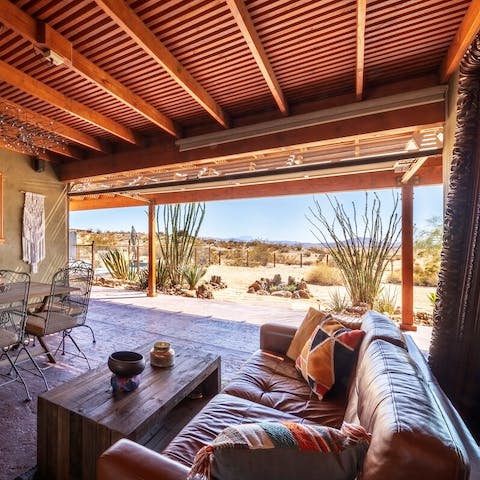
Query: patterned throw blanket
{"x":282,"y":436}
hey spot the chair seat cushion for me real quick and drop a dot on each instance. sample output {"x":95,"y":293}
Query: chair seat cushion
{"x":56,"y":323}
{"x":7,"y":338}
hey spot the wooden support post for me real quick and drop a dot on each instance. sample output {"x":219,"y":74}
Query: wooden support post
{"x":407,"y":258}
{"x":152,"y":264}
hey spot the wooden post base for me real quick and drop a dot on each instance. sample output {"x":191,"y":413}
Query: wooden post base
{"x":408,"y":327}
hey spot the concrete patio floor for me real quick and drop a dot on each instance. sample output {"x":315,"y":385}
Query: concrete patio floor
{"x":124,"y":319}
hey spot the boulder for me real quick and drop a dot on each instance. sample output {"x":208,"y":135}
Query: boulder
{"x":302,"y":294}
{"x":204,"y":291}
{"x":302,"y":286}
{"x":282,"y":293}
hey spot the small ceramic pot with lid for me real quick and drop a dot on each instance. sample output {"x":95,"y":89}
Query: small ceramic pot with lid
{"x":162,"y":355}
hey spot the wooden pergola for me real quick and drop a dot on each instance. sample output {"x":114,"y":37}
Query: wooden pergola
{"x":150,"y":102}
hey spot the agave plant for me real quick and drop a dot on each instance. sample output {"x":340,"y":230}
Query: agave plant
{"x":118,"y":265}
{"x":193,"y":274}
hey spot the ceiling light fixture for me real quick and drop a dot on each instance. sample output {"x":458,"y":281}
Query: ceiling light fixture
{"x":20,"y":132}
{"x":53,"y":57}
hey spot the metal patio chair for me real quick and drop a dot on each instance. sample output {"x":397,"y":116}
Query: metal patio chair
{"x":14,"y":290}
{"x":64,"y":309}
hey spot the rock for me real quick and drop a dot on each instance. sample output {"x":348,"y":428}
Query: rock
{"x":295,"y":295}
{"x":302,"y":294}
{"x":188,"y":293}
{"x":291,"y":280}
{"x":251,"y":290}
{"x":204,"y":291}
{"x":256,"y":286}
{"x":282,"y":293}
{"x":302,"y":286}
{"x":277,"y":279}
{"x":262,"y":292}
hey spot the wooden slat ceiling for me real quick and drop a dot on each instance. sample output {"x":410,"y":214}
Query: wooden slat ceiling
{"x":149,"y":72}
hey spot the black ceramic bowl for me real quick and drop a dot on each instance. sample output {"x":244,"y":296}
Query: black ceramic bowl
{"x":126,"y":364}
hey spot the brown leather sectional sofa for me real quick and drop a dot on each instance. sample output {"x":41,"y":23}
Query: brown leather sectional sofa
{"x":416,"y":434}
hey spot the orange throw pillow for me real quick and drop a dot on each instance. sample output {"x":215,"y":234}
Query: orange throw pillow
{"x":328,"y":356}
{"x":312,"y":320}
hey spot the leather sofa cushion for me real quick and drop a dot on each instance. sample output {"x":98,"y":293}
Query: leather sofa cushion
{"x":377,"y":326}
{"x":222,"y":411}
{"x":274,"y":381}
{"x":411,"y":437}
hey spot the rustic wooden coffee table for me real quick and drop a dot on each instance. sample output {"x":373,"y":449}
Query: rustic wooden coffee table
{"x":80,"y":419}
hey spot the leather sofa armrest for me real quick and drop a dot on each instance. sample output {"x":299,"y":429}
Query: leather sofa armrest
{"x":126,"y":460}
{"x":276,"y":338}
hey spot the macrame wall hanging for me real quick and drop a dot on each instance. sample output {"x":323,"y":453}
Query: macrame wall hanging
{"x":33,"y":236}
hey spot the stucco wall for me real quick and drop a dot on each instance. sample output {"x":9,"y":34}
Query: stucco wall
{"x":18,"y":176}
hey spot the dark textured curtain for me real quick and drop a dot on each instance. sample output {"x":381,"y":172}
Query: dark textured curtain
{"x":455,"y":349}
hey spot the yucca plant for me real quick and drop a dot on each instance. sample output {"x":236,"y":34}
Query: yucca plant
{"x":161,"y":280}
{"x":362,"y":245}
{"x":162,"y":274}
{"x":118,"y":265}
{"x":386,"y":301}
{"x":193,"y":274}
{"x":182,"y":225}
{"x":338,"y":301}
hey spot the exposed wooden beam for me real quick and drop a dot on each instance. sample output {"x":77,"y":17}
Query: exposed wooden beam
{"x":128,"y":20}
{"x":430,"y":174}
{"x":45,"y":37}
{"x":32,"y":86}
{"x":161,"y":153}
{"x":60,"y":129}
{"x":463,"y":38}
{"x":407,"y":258}
{"x":413,"y":169}
{"x":359,"y":70}
{"x":245,"y":23}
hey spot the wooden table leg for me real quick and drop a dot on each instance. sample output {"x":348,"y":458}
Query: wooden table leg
{"x":51,"y":358}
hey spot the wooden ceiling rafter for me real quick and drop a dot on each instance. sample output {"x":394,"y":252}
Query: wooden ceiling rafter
{"x":124,"y":16}
{"x":360,"y":58}
{"x":60,"y":129}
{"x":33,"y":87}
{"x":245,"y":23}
{"x":463,"y":38}
{"x":43,"y":36}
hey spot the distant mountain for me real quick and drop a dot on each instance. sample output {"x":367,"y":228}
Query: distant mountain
{"x":248,"y":238}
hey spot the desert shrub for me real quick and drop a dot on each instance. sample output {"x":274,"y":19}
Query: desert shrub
{"x":361,"y":244}
{"x":193,"y":274}
{"x":259,"y":253}
{"x":119,"y":265}
{"x":177,"y":244}
{"x":339,"y":301}
{"x":395,"y":277}
{"x":426,"y":275}
{"x":322,"y":274}
{"x":163,"y":275}
{"x":387,"y":301}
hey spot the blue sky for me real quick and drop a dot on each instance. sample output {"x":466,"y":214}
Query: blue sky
{"x":279,"y":218}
